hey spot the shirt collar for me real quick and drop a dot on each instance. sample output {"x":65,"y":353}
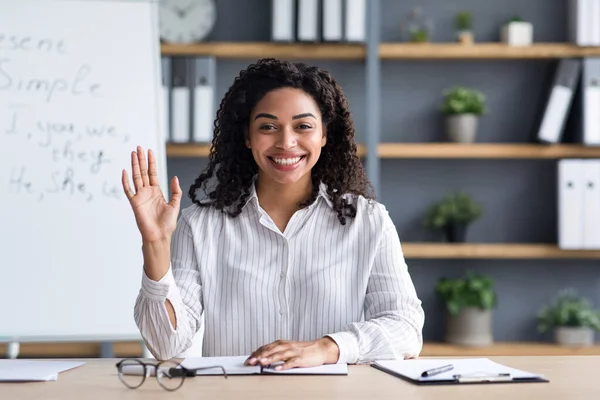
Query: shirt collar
{"x":252,"y":197}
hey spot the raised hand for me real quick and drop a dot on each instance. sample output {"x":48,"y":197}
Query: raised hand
{"x":155,"y":217}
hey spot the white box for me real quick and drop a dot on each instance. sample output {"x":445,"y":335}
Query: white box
{"x":517,"y":33}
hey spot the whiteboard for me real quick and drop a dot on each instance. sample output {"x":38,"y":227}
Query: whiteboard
{"x":79,"y":90}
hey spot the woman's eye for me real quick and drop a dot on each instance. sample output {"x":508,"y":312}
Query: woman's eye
{"x":304,"y":126}
{"x":266,"y":127}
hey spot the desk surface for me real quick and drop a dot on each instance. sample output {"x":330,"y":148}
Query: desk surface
{"x":572,"y":377}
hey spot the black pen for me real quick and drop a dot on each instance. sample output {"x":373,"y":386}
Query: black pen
{"x":438,"y":370}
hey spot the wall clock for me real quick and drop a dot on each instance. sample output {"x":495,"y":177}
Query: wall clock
{"x":186,"y":21}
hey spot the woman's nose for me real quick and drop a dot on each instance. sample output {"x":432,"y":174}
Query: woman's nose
{"x":286,"y":139}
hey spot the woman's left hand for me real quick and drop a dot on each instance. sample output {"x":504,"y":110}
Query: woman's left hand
{"x":296,"y":354}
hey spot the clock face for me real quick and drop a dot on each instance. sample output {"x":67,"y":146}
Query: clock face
{"x":186,"y":21}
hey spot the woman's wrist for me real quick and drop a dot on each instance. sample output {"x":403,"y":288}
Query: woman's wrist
{"x":330,"y":348}
{"x":157,"y":256}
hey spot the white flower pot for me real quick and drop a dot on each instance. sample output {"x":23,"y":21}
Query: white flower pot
{"x":574,"y":336}
{"x":517,"y":33}
{"x":471,"y":327}
{"x":462,"y":128}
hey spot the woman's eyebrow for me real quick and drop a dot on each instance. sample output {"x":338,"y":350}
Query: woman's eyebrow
{"x":264,"y":115}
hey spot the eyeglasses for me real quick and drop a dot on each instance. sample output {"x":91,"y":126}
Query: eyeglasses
{"x":169,"y":374}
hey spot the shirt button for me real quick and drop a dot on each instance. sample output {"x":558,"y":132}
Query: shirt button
{"x":282,"y":275}
{"x":282,"y":311}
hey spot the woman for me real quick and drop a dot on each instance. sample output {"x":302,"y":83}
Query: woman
{"x":286,"y":258}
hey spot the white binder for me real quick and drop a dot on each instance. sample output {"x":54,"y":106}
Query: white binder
{"x":332,"y":20}
{"x":355,"y":20}
{"x":580,"y":20}
{"x":570,"y":204}
{"x":204,"y":99}
{"x":591,"y":101}
{"x":283,"y":25}
{"x":591,"y":204}
{"x":560,"y":100}
{"x":308,"y":20}
{"x":180,"y":100}
{"x":166,"y":91}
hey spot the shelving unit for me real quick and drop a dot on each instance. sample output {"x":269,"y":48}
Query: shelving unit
{"x":493,"y":251}
{"x":387,"y":51}
{"x":439,"y":150}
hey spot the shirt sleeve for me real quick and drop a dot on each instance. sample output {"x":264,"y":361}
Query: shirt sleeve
{"x":181,"y":286}
{"x":394,"y":316}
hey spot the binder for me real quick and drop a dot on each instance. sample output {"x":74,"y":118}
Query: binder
{"x":203,"y":99}
{"x":570,"y":204}
{"x":580,"y":20}
{"x":591,"y":101}
{"x":180,"y":100}
{"x":332,"y":20}
{"x":559,"y":102}
{"x":355,"y":20}
{"x":462,"y":371}
{"x":591,"y":204}
{"x":308,"y":20}
{"x":166,"y":97}
{"x":282,"y":20}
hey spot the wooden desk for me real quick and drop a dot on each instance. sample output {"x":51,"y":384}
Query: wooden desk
{"x":571,"y":377}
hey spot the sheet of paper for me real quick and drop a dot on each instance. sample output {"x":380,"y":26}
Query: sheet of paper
{"x":33,"y":370}
{"x":414,"y":368}
{"x":235,"y":366}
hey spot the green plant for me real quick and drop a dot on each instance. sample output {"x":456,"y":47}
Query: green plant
{"x":461,"y":100}
{"x":568,"y":309}
{"x":474,"y":290}
{"x":453,"y":208}
{"x":515,"y":18}
{"x":463,"y":21}
{"x":419,"y":35}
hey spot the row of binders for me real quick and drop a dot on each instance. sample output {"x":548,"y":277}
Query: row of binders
{"x":579,"y":204}
{"x":189,"y":98}
{"x":584,"y":22}
{"x":319,"y":20}
{"x":572,"y":74}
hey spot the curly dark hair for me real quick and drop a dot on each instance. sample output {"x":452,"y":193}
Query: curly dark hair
{"x":232,"y":163}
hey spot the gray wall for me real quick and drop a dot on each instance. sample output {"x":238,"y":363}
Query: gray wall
{"x":519,"y":196}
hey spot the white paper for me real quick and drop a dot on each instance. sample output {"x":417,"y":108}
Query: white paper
{"x":235,"y":366}
{"x":29,"y":370}
{"x":414,"y":368}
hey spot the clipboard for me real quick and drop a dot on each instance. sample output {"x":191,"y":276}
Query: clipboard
{"x":464,"y":371}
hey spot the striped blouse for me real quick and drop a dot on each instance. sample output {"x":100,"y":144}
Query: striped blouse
{"x":246,"y":284}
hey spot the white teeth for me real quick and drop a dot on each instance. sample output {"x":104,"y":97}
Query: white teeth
{"x":287,"y":161}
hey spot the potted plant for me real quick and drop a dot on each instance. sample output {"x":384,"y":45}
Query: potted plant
{"x":452,"y":215}
{"x":468,"y":304}
{"x":572,"y":318}
{"x":418,"y":27}
{"x":517,"y":32}
{"x":464,"y":27}
{"x":462,"y":108}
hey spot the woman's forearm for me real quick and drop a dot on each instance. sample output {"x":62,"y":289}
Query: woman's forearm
{"x":157,"y":256}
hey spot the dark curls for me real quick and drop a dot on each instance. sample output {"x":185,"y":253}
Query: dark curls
{"x":231,"y":163}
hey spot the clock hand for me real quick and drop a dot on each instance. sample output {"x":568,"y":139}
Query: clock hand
{"x":190,"y":7}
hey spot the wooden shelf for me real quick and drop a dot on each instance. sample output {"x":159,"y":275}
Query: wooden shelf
{"x":256,"y":50}
{"x":430,"y":349}
{"x":387,"y":51}
{"x":438,"y":150}
{"x":445,"y":51}
{"x":493,"y":251}
{"x":203,"y":150}
{"x":484,"y":150}
{"x":506,"y":349}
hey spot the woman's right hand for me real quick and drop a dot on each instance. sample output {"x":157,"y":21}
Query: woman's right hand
{"x":156,"y":219}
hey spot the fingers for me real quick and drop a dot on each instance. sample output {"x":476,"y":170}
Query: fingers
{"x":152,"y":173}
{"x":175,"y":193}
{"x":291,"y":363}
{"x":262,"y":354}
{"x":126,"y":188}
{"x":135,"y":170}
{"x":143,"y":166}
{"x":284,"y":355}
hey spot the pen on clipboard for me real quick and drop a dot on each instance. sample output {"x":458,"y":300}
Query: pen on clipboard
{"x":438,"y":370}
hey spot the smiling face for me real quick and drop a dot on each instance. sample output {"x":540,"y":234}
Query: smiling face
{"x":286,"y":134}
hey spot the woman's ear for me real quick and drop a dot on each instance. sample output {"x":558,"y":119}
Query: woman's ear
{"x":247,"y":137}
{"x":324,"y":138}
